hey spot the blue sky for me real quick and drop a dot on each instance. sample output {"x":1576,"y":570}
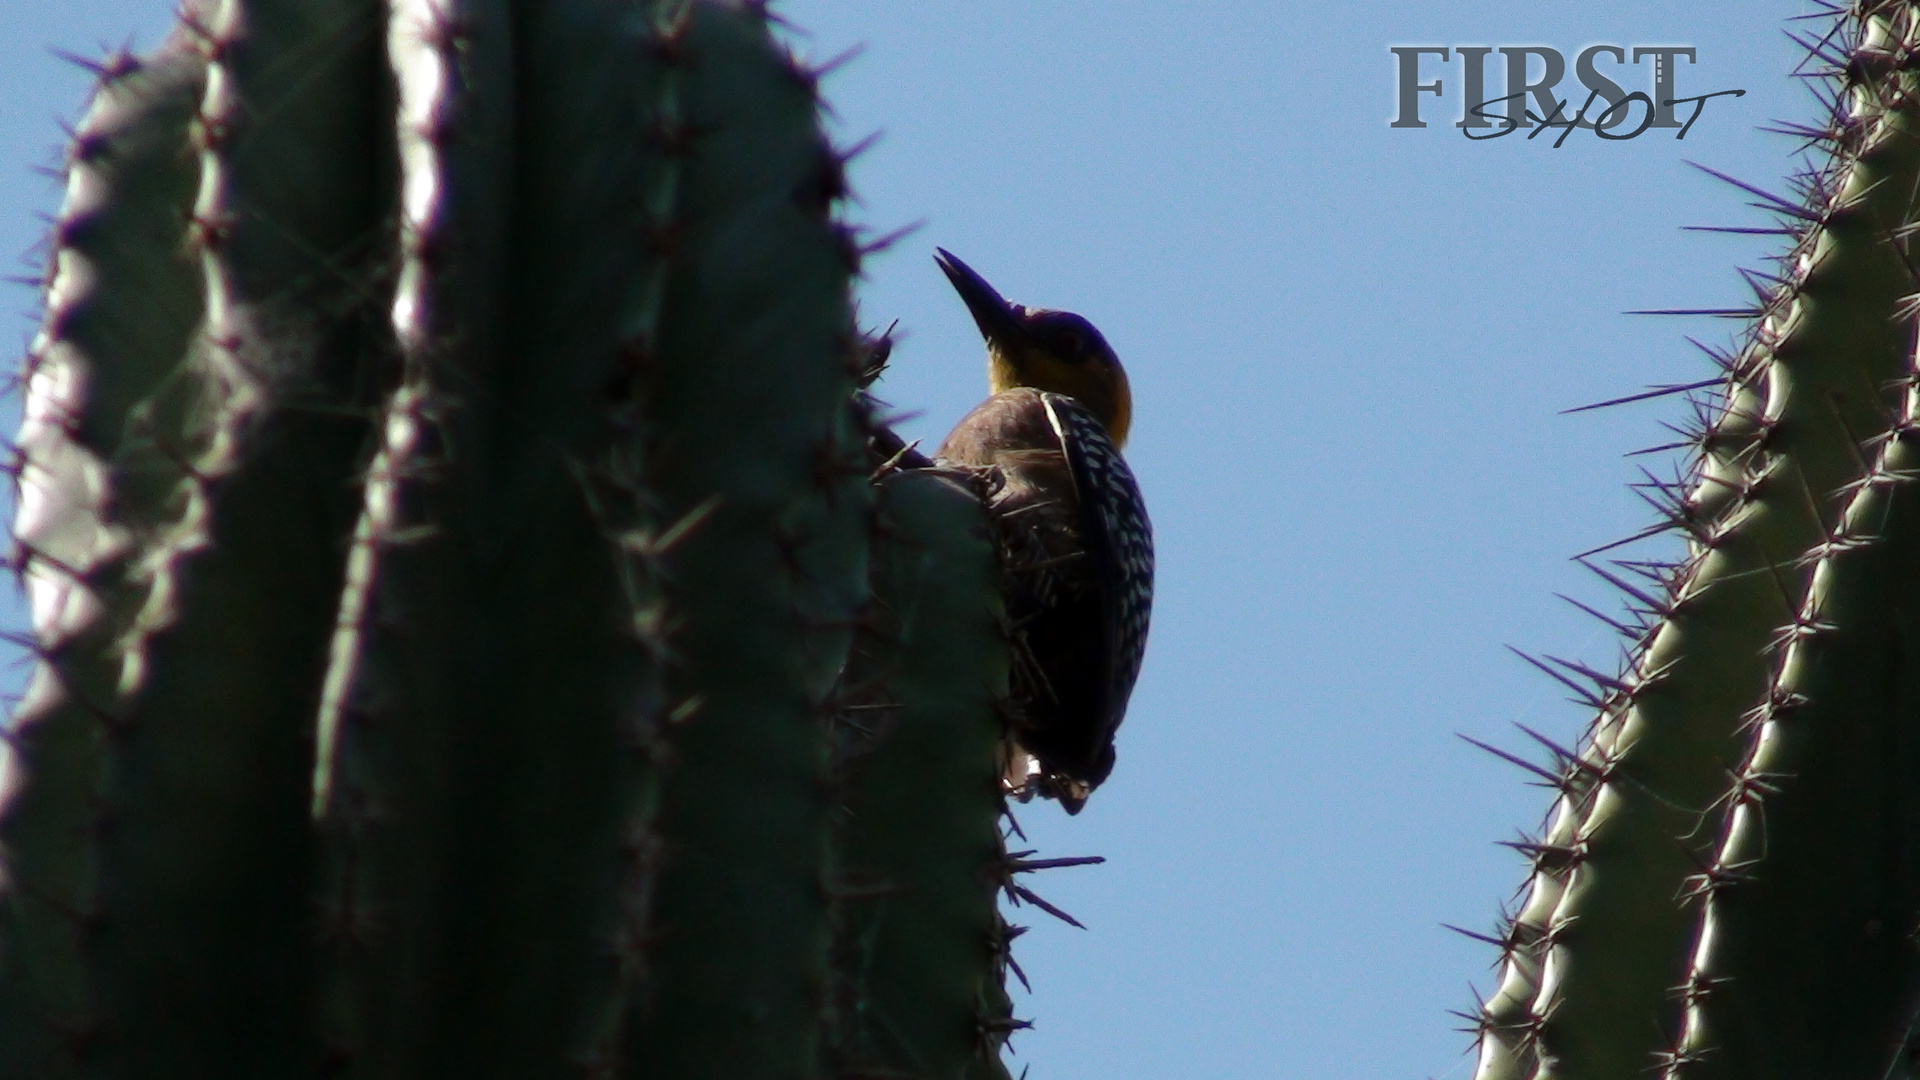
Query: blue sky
{"x":1350,"y":346}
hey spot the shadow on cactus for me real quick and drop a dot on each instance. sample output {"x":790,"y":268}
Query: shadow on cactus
{"x":1729,"y":881}
{"x":482,"y":627}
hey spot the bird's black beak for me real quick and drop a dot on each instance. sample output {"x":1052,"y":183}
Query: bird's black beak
{"x":996,"y":318}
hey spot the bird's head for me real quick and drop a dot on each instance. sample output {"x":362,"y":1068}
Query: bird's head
{"x":1049,"y":350}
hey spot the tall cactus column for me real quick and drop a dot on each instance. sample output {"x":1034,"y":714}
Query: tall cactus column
{"x":214,"y":506}
{"x":122,"y":307}
{"x":1723,"y":884}
{"x":447,"y":517}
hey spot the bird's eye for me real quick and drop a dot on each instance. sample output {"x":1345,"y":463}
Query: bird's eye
{"x":1072,"y":348}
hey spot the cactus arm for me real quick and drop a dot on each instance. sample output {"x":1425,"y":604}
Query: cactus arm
{"x":542,"y":486}
{"x":745,"y":390}
{"x":121,"y":307}
{"x":1803,"y":964}
{"x":405,"y":690}
{"x":919,"y":952}
{"x":199,"y":843}
{"x":593,"y":177}
{"x":1642,"y":806}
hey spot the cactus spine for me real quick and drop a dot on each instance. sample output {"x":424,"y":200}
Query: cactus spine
{"x":447,"y":516}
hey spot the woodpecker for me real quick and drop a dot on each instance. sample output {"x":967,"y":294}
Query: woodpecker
{"x":1080,"y":548}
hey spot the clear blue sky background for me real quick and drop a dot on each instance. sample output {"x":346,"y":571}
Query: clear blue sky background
{"x":1350,"y":348}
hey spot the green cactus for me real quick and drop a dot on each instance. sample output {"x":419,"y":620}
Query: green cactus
{"x":470,"y":638}
{"x":921,"y":953}
{"x":120,"y":288}
{"x":1727,"y":882}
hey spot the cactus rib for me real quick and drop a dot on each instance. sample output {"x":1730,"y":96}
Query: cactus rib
{"x":920,"y":946}
{"x":121,"y":308}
